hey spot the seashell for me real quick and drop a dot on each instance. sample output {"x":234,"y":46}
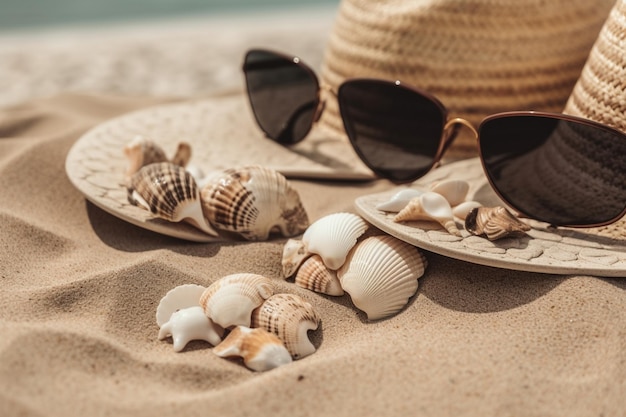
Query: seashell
{"x":254,"y":202}
{"x":140,"y":152}
{"x":430,"y":206}
{"x":295,"y":252}
{"x":315,"y":276}
{"x":189,"y":324}
{"x":454,"y":191}
{"x":494,"y":223}
{"x":333,"y":236}
{"x":230,"y":300}
{"x":168,"y":192}
{"x":182,"y":296}
{"x":462,"y":210}
{"x":399,"y":200}
{"x":182,"y":155}
{"x":259,"y":349}
{"x":381,"y":274}
{"x":290,"y":318}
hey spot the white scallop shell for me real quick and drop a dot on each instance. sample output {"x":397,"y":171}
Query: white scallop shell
{"x":169,"y":192}
{"x":462,"y":210}
{"x":399,"y":200}
{"x":314,"y":275}
{"x":189,"y":324}
{"x":381,"y":274}
{"x":454,"y":191}
{"x":333,"y":236}
{"x":230,"y":300}
{"x":290,"y":318}
{"x":295,"y":252}
{"x":430,"y":206}
{"x":182,"y":296}
{"x":253,"y":202}
{"x":259,"y":349}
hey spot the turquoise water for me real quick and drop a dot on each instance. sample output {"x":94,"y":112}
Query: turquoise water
{"x":15,"y":14}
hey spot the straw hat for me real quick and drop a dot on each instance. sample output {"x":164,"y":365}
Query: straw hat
{"x":477,"y":56}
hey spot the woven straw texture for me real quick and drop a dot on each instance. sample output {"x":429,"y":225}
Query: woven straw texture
{"x":477,"y":56}
{"x":600,"y":93}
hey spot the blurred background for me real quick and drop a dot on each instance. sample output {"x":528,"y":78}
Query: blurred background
{"x":173,"y":48}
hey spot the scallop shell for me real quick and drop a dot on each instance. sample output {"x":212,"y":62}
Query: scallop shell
{"x":315,"y":276}
{"x":168,"y":192}
{"x":494,"y":223}
{"x":259,"y":349}
{"x":399,"y":200}
{"x":462,"y":210}
{"x":295,"y":252}
{"x":189,"y":324}
{"x":454,"y":191}
{"x":381,"y":274}
{"x":333,"y":236}
{"x":182,"y":296}
{"x":430,"y":206}
{"x":230,"y":300}
{"x":290,"y":318}
{"x":254,"y":202}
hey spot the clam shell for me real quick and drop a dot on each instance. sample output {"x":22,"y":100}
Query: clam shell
{"x":315,"y":276}
{"x":182,"y":296}
{"x":381,"y":274}
{"x":462,"y":210}
{"x":430,"y":206}
{"x":189,"y":324}
{"x":290,"y":318}
{"x":169,"y":192}
{"x":230,"y":300}
{"x":494,"y":223}
{"x":259,"y":349}
{"x":399,"y":200}
{"x":333,"y":236}
{"x":295,"y":252}
{"x":454,"y":191}
{"x":254,"y":202}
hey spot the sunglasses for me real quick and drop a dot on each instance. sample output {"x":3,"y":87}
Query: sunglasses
{"x":556,"y":168}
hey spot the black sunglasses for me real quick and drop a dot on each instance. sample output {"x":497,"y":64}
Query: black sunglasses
{"x":560,"y":169}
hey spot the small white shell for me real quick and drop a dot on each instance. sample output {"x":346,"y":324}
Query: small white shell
{"x":381,"y":274}
{"x":230,"y":300}
{"x":333,"y":236}
{"x":182,"y":296}
{"x":315,"y":276}
{"x":399,"y":200}
{"x":168,"y":191}
{"x":190,"y":324}
{"x":454,"y":191}
{"x":430,"y":206}
{"x":253,"y":202}
{"x":259,"y":349}
{"x":294,"y":253}
{"x":462,"y":210}
{"x":290,"y":318}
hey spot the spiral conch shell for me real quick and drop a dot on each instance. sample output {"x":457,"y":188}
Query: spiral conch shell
{"x":430,"y":206}
{"x":290,"y":318}
{"x":260,"y":349}
{"x":381,"y":274}
{"x":230,"y":300}
{"x":141,"y":151}
{"x":168,"y":191}
{"x":253,"y":202}
{"x":494,"y":223}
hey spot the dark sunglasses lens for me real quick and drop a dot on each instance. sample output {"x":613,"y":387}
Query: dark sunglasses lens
{"x":561,"y":171}
{"x":396,"y":131}
{"x":283,"y":95}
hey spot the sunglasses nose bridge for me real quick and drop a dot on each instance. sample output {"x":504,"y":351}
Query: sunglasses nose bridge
{"x":453,"y":123}
{"x":324,"y":90}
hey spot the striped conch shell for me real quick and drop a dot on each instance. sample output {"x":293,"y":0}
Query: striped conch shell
{"x":290,"y":318}
{"x":259,"y":349}
{"x":314,"y":275}
{"x":381,"y":274}
{"x":430,"y":206}
{"x":494,"y":223}
{"x":230,"y":300}
{"x":253,"y":202}
{"x":169,"y":192}
{"x":141,"y":151}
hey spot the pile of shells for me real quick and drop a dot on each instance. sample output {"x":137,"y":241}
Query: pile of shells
{"x":241,"y":316}
{"x":248,"y":202}
{"x":379,"y":272}
{"x":445,"y":202}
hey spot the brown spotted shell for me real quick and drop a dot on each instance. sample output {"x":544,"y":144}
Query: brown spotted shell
{"x":494,"y":223}
{"x":314,"y":275}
